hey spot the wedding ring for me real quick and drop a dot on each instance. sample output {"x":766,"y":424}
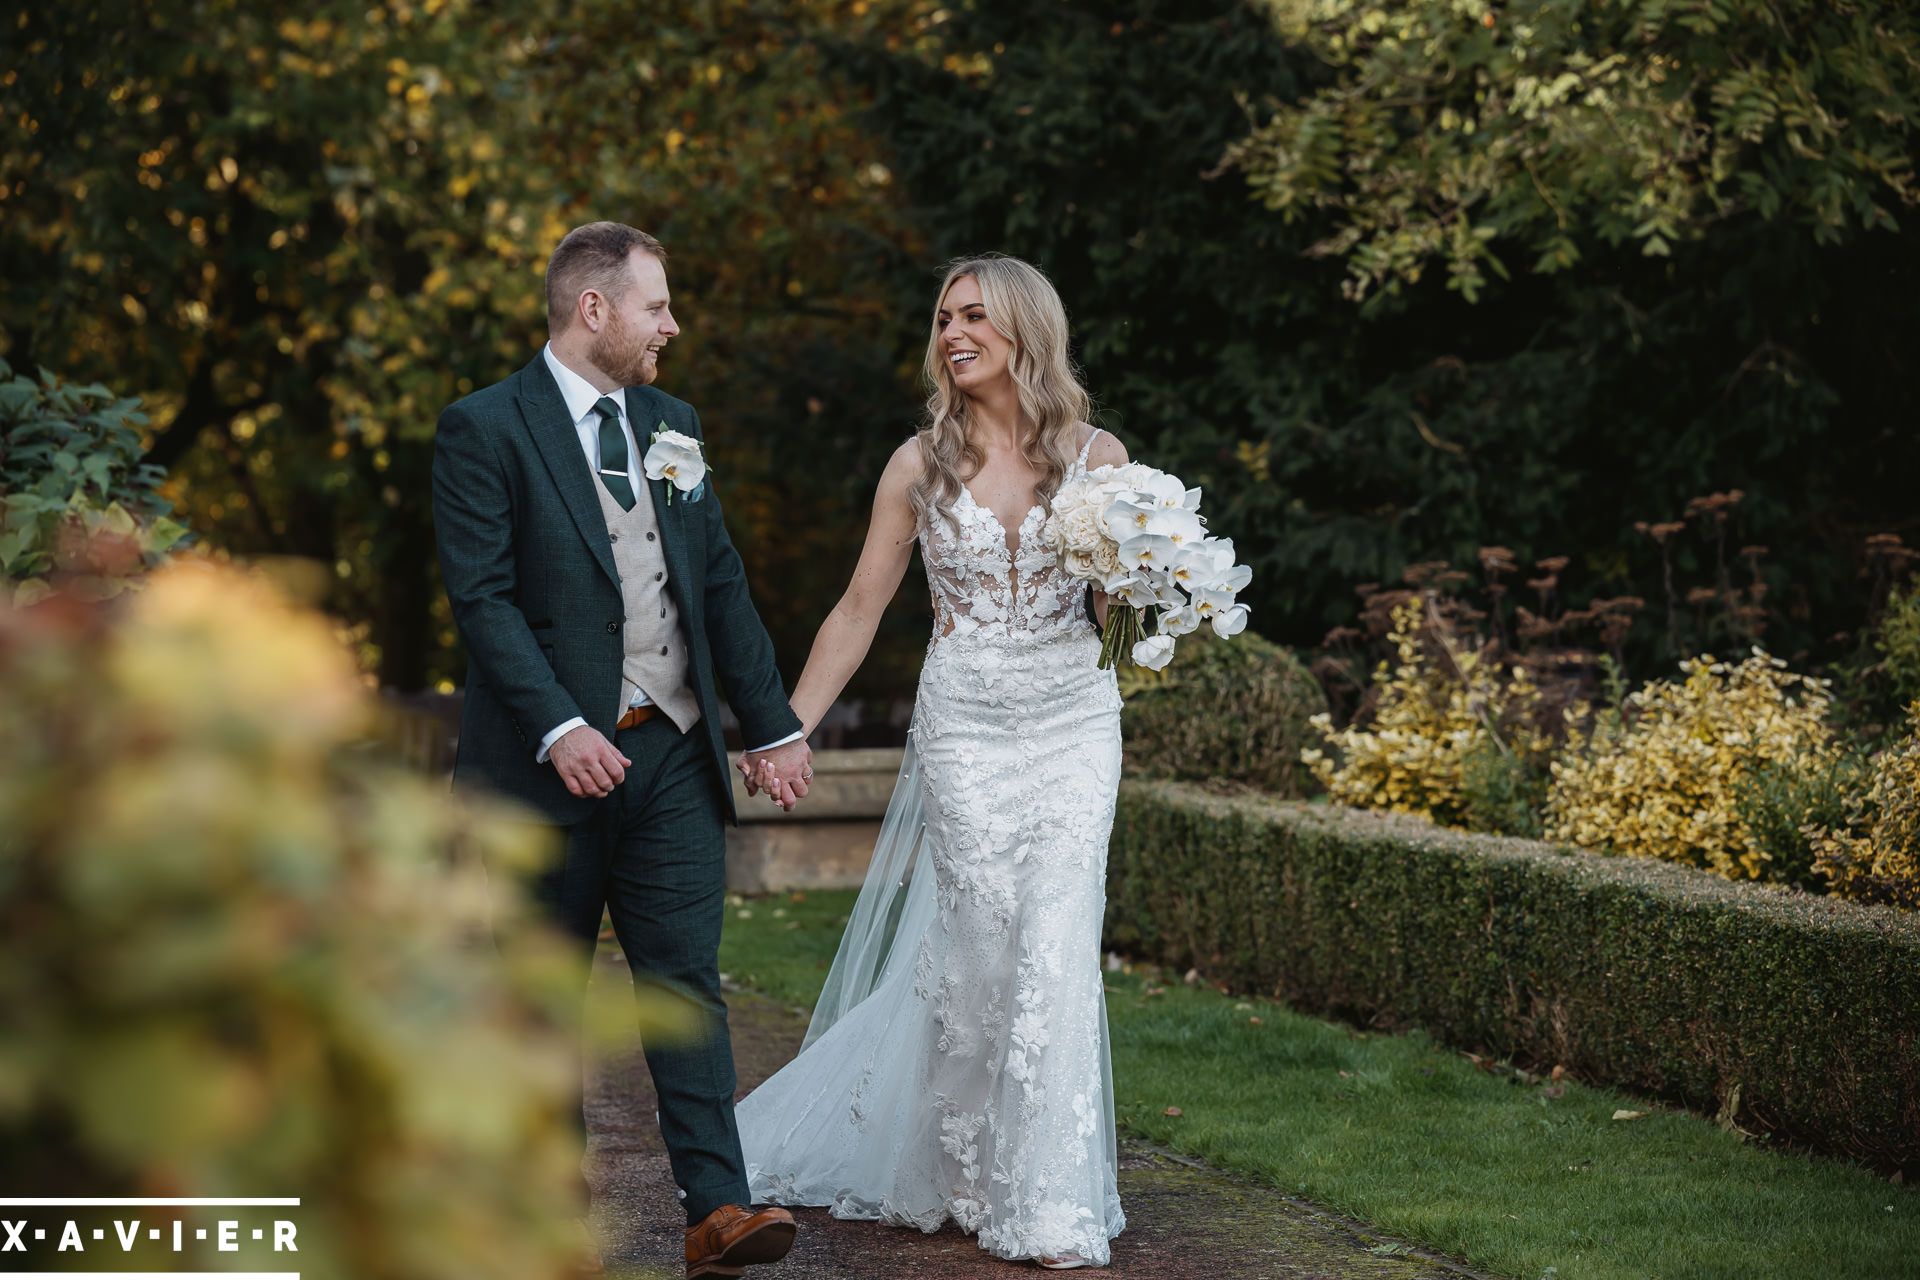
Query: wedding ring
{"x":806,"y":775}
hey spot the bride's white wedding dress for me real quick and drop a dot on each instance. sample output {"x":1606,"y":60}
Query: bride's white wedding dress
{"x":957,"y":1067}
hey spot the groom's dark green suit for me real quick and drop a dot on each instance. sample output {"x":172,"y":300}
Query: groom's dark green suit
{"x":529,"y":568}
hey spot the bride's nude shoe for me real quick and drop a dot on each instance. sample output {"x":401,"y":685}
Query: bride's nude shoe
{"x":1065,"y":1262}
{"x":733,"y":1237}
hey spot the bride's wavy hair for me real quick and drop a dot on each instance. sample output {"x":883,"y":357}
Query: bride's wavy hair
{"x":1024,"y":308}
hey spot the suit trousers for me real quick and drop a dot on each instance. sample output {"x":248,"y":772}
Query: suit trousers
{"x":653,"y":854}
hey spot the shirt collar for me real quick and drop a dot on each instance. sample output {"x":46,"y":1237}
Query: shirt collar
{"x":576,"y":390}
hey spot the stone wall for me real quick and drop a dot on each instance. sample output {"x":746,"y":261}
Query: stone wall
{"x":826,"y":841}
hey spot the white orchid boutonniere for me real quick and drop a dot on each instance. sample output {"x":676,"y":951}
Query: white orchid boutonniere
{"x":676,"y":457}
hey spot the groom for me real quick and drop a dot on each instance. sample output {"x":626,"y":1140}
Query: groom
{"x":598,"y":606}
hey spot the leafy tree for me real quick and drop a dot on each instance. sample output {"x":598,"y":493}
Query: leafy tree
{"x":301,"y":236}
{"x":1341,"y":444}
{"x":1457,"y":132}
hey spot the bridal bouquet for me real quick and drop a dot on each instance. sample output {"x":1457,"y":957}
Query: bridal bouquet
{"x":1138,"y":535}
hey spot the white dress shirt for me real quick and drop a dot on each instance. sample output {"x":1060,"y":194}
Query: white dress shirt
{"x":581,"y":396}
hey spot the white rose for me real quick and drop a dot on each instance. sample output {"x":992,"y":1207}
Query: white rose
{"x":1082,"y":529}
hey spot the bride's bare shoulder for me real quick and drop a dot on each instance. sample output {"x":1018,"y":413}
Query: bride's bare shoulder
{"x":1106,"y":450}
{"x":905,"y":463}
{"x":903,"y":468}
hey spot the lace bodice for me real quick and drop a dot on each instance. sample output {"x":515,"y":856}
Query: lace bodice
{"x":982,"y":588}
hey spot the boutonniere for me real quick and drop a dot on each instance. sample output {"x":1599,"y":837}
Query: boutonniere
{"x":676,"y":457}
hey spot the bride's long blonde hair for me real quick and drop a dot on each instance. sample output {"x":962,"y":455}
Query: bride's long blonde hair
{"x":1023,"y":307}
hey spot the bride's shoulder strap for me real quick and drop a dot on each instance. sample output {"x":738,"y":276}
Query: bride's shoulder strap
{"x":1087,"y":448}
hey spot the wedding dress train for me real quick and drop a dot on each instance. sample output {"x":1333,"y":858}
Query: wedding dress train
{"x":957,"y":1068}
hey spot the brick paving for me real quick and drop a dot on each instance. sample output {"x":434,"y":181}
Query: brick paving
{"x":1184,"y":1220}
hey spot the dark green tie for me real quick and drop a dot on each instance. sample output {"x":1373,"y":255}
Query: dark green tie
{"x":613,"y":453}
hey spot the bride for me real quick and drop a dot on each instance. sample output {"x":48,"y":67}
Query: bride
{"x":957,"y":1065}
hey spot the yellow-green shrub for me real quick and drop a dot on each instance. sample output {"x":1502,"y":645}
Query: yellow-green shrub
{"x":1437,"y":716}
{"x":1664,"y":779}
{"x":239,"y":959}
{"x":1877,"y":857}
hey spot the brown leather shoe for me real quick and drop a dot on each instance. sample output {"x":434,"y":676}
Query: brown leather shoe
{"x":733,"y":1237}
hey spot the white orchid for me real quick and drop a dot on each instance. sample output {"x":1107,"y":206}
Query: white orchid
{"x":1137,"y":593}
{"x":1126,"y":518}
{"x":1153,"y":653}
{"x":1234,"y":580}
{"x":676,"y":457}
{"x":1148,"y":551}
{"x":1209,"y":603}
{"x":1165,"y":491}
{"x":1137,"y":534}
{"x":1229,"y":623}
{"x":1182,"y":621}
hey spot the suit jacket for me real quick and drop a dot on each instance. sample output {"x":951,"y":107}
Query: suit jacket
{"x":529,"y":570}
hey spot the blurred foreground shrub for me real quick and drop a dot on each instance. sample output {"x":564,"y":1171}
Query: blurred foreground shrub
{"x":1235,"y":710}
{"x":244,"y":958}
{"x":1664,"y":777}
{"x":75,"y":498}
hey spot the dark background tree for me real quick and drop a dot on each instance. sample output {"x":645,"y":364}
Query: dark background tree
{"x":299,"y":238}
{"x":1343,"y":443}
{"x":302,"y":237}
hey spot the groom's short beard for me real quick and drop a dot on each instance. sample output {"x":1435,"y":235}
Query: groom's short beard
{"x":619,"y":353}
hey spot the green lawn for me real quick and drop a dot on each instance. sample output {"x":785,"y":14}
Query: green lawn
{"x":1526,"y":1178}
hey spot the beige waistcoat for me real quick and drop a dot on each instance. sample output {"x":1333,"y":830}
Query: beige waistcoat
{"x":655,"y":661}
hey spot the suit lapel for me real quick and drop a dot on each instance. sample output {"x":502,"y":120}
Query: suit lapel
{"x":645,"y":419}
{"x":545,"y":410}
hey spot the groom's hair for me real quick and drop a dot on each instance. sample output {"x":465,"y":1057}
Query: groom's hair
{"x":592,"y":257}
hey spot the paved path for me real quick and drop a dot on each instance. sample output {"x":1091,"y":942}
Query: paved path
{"x":1184,"y":1220}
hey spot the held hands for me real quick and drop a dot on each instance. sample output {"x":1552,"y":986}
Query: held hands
{"x":588,"y":763}
{"x":783,"y":772}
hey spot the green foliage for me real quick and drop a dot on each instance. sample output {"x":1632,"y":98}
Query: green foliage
{"x":1787,"y":1014}
{"x":241,"y":956}
{"x":1778,"y":802}
{"x":1502,"y":790}
{"x":1896,"y":638}
{"x":1340,"y":445}
{"x":1453,"y":133}
{"x":297,"y":238}
{"x":1233,"y":711}
{"x":302,"y":236}
{"x":74,"y":495}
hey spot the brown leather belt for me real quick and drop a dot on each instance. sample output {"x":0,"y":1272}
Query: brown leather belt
{"x":637,"y":715}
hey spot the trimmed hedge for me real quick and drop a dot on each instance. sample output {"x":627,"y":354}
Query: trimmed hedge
{"x":1789,"y":1014}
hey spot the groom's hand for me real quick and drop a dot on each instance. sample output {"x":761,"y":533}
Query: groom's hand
{"x":782,"y":772}
{"x":588,"y":763}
